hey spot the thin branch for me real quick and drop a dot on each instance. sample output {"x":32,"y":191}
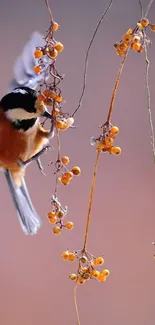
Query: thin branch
{"x":58,"y":142}
{"x":148,"y":96}
{"x":116,"y":85}
{"x":50,"y":12}
{"x":86,"y":57}
{"x":75,"y":303}
{"x":141,"y":9}
{"x":91,"y":201}
{"x":148,"y":7}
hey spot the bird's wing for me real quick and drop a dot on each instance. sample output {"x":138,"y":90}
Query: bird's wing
{"x":23,"y":72}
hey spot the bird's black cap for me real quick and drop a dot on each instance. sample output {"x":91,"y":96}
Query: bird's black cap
{"x":20,"y":97}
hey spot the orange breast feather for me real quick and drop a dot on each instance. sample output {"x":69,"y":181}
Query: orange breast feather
{"x":13,"y":144}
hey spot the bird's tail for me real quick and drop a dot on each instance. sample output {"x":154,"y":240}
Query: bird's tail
{"x":28,"y":217}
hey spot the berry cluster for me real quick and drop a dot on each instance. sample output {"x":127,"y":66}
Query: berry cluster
{"x":52,"y":97}
{"x":104,"y":143}
{"x":50,"y":93}
{"x":50,"y":50}
{"x":57,"y":215}
{"x":87,"y":266}
{"x":66,"y":175}
{"x":134,"y":39}
{"x":62,"y":123}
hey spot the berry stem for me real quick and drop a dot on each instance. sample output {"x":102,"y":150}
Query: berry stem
{"x":148,"y":7}
{"x":75,"y":303}
{"x":90,"y":201}
{"x":86,"y":57}
{"x":58,"y":142}
{"x":141,"y":9}
{"x":148,"y":96}
{"x":50,"y":12}
{"x":116,"y":86}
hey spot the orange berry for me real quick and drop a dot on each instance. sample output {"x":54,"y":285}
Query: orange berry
{"x":64,"y":180}
{"x":114,"y":130}
{"x":76,"y":171}
{"x":56,"y":230}
{"x":123,"y":46}
{"x":49,"y":93}
{"x":68,"y":175}
{"x":127,"y":38}
{"x":153,"y":28}
{"x":65,"y":255}
{"x":80,"y":280}
{"x":53,"y":94}
{"x":83,"y":259}
{"x":95,"y":273}
{"x":101,"y":277}
{"x":116,"y":45}
{"x":55,"y":26}
{"x":105,"y":272}
{"x":115,"y":150}
{"x":46,"y":92}
{"x":41,"y":98}
{"x":53,"y":220}
{"x":60,"y":214}
{"x":86,"y":276}
{"x":98,"y":261}
{"x":53,"y":53}
{"x":129,"y":31}
{"x":58,"y":98}
{"x":73,"y":276}
{"x":136,"y":39}
{"x":64,"y":127}
{"x":71,"y":257}
{"x":48,"y":102}
{"x":69,"y":225}
{"x":60,"y":125}
{"x":144,"y":22}
{"x":136,"y":46}
{"x":108,"y":142}
{"x":120,"y":52}
{"x":100,"y":145}
{"x":140,"y":49}
{"x":59,"y":46}
{"x":38,"y":54}
{"x":65,"y":160}
{"x":37,"y":69}
{"x":139,"y":25}
{"x":51,"y":214}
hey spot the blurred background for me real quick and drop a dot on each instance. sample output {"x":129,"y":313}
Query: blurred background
{"x":34,"y":284}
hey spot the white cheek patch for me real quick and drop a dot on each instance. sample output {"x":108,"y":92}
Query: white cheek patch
{"x":19,"y":114}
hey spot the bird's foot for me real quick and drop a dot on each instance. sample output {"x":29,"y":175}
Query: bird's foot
{"x":35,"y":157}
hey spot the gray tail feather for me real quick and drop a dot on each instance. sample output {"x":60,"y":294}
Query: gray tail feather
{"x":28,"y":217}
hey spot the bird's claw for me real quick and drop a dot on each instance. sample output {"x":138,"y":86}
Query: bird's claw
{"x":22,"y":163}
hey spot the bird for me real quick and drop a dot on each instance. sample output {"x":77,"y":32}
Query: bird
{"x":22,"y":140}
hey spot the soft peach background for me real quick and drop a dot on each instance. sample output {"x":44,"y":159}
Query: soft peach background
{"x":34,"y":285}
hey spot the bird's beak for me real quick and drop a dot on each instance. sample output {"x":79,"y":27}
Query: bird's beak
{"x":46,"y":114}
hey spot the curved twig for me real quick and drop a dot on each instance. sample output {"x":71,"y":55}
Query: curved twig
{"x":86,"y":58}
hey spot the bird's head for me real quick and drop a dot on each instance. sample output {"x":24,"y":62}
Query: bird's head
{"x":22,"y":107}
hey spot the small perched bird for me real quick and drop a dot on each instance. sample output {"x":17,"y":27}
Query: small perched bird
{"x":22,"y":139}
